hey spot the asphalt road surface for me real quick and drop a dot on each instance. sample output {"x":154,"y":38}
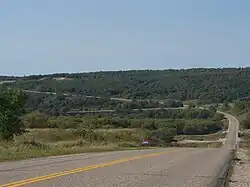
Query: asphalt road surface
{"x":173,"y":167}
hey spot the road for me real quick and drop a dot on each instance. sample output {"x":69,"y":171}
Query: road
{"x":114,"y":111}
{"x":91,"y":96}
{"x":232,"y":133}
{"x":105,"y":110}
{"x":73,"y":95}
{"x":182,"y":167}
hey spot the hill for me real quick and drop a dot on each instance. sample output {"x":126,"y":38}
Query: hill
{"x":210,"y":85}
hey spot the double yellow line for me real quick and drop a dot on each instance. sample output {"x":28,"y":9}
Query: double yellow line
{"x":77,"y":170}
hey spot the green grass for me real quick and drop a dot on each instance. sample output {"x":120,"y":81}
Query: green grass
{"x":188,"y":102}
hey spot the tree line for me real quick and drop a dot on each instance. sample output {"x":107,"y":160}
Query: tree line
{"x":206,"y":85}
{"x":183,"y":121}
{"x":194,"y":113}
{"x":59,"y":104}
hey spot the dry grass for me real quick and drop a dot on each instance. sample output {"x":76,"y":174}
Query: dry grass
{"x":117,"y":130}
{"x":209,"y":137}
{"x":206,"y":137}
{"x":7,"y":81}
{"x":50,"y":142}
{"x":201,"y":145}
{"x":13,"y":151}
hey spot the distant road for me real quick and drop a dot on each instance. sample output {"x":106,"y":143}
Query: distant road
{"x":113,"y":111}
{"x":91,"y":96}
{"x":232,"y":133}
{"x":104,"y":110}
{"x":74,"y":95}
{"x":184,"y":167}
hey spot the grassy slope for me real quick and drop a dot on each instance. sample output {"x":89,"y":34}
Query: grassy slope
{"x":48,"y":142}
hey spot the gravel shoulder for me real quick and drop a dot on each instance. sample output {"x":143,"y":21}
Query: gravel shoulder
{"x":241,"y":170}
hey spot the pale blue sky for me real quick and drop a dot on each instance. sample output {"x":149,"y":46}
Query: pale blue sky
{"x":46,"y":36}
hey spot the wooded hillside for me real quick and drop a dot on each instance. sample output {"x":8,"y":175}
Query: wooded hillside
{"x":208,"y":85}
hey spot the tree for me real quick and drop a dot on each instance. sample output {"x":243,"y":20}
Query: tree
{"x":11,"y":108}
{"x":212,"y":108}
{"x":190,"y":129}
{"x":35,"y":120}
{"x":225,"y":106}
{"x":164,"y":134}
{"x":246,"y":122}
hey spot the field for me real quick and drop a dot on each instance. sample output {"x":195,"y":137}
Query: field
{"x":55,"y":141}
{"x":48,"y":142}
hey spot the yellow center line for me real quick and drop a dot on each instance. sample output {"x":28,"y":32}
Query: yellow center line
{"x":77,"y":170}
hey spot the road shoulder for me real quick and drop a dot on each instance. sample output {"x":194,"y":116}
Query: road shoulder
{"x":241,"y":169}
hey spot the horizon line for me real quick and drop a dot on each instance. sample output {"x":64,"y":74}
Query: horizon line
{"x":123,"y":70}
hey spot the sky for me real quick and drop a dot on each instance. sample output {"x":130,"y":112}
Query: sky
{"x":49,"y":36}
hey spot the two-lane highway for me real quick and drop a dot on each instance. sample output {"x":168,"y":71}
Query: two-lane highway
{"x":232,"y":133}
{"x":194,"y":167}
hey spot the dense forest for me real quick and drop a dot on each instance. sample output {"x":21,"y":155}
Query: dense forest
{"x":206,"y":85}
{"x":60,"y":104}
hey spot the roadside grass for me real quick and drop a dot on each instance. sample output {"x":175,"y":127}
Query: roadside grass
{"x":13,"y":151}
{"x":16,"y":151}
{"x":201,"y":145}
{"x":245,"y":140}
{"x":245,"y":136}
{"x":51,"y":142}
{"x":209,"y":137}
{"x":47,"y":135}
{"x":206,"y":137}
{"x":57,"y":135}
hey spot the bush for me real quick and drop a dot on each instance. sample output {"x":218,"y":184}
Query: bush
{"x":63,"y":122}
{"x":11,"y":108}
{"x":165,"y":134}
{"x":245,"y":123}
{"x":202,"y":127}
{"x":36,"y":120}
{"x":218,"y":117}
